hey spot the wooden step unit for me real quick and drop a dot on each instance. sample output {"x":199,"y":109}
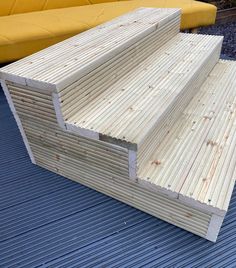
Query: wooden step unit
{"x":138,"y":111}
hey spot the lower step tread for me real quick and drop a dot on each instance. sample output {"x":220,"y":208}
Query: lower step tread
{"x":197,"y":159}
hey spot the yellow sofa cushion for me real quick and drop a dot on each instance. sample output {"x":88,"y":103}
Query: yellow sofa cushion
{"x":24,"y":34}
{"x":11,"y":7}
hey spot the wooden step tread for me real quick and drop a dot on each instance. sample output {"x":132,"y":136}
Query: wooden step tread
{"x":64,"y":63}
{"x":131,"y":106}
{"x":196,"y":161}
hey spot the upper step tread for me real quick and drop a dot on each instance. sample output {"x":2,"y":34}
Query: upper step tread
{"x":64,"y":63}
{"x":197,"y":159}
{"x":130,"y":107}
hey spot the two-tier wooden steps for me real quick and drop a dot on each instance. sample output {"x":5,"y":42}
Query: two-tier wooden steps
{"x":138,"y":111}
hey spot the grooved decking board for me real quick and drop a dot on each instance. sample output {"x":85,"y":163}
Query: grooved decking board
{"x":197,"y":158}
{"x":133,"y":105}
{"x":76,"y":96}
{"x":62,"y":64}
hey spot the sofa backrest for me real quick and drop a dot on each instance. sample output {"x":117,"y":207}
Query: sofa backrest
{"x":10,"y":7}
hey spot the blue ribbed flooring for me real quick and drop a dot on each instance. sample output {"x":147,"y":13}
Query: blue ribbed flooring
{"x":49,"y":221}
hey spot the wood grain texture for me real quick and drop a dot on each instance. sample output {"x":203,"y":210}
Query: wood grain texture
{"x":101,"y":166}
{"x":197,"y":159}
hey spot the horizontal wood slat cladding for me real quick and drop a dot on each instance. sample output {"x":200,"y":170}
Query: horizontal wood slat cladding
{"x":92,"y":164}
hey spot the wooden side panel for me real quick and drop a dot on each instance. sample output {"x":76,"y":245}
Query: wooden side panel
{"x":18,"y":121}
{"x":39,"y":122}
{"x":94,"y":163}
{"x":129,"y":192}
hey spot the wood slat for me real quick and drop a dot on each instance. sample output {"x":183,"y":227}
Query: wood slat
{"x":67,"y":154}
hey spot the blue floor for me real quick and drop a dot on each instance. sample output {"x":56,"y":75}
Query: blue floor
{"x":49,"y":221}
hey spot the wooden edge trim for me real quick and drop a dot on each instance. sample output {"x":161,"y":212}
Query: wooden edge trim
{"x":132,"y":164}
{"x":23,"y":81}
{"x":57,"y":108}
{"x":82,"y":131}
{"x":19,"y":124}
{"x":214,"y":227}
{"x":12,"y":78}
{"x":118,"y":142}
{"x":132,"y":154}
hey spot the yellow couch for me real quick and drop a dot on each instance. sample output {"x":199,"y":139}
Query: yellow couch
{"x":27,"y":26}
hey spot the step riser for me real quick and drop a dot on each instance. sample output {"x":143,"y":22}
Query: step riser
{"x":76,"y":96}
{"x":172,"y":113}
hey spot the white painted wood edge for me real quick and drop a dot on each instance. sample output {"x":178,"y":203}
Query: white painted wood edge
{"x":40,"y":85}
{"x":132,"y":164}
{"x":214,"y":227}
{"x":12,"y":78}
{"x":12,"y":107}
{"x":82,"y":131}
{"x":57,"y":108}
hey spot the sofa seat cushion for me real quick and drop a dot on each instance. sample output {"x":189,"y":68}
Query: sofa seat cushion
{"x":11,"y":7}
